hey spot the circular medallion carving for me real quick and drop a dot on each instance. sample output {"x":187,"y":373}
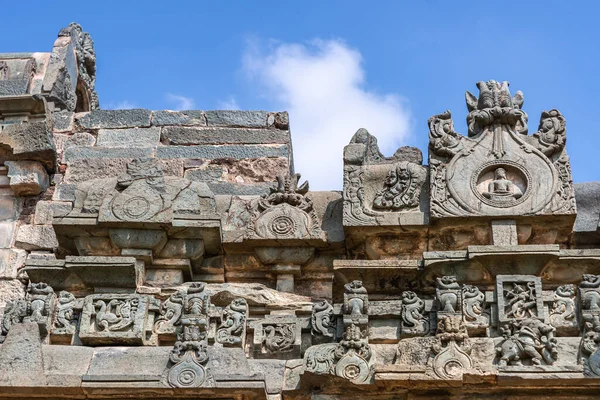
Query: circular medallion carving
{"x":136,"y":206}
{"x":501,"y":183}
{"x":353,"y":368}
{"x":187,"y":374}
{"x":282,"y":225}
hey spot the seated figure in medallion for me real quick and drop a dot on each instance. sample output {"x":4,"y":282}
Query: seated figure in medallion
{"x":502,"y":189}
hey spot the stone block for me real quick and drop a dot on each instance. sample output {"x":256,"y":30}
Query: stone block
{"x":132,"y":137}
{"x":223,"y":151}
{"x":279,"y":120}
{"x":162,"y":277}
{"x":110,"y":119}
{"x":46,"y":210}
{"x":85,"y":153}
{"x":167,"y":117}
{"x":14,"y":87}
{"x":248,"y":119}
{"x":79,"y":139}
{"x":178,"y":135}
{"x":27,"y":178}
{"x":31,"y":141}
{"x":240,"y":189}
{"x":64,"y":192}
{"x":8,"y":209}
{"x":7,"y":231}
{"x":504,"y":233}
{"x":11,"y":261}
{"x":36,"y":237}
{"x":21,"y":362}
{"x":209,"y":174}
{"x":62,"y":121}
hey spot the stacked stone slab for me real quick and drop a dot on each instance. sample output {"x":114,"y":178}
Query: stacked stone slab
{"x":155,"y":254}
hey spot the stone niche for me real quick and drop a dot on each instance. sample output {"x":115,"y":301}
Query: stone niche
{"x":382,"y":194}
{"x":167,"y":223}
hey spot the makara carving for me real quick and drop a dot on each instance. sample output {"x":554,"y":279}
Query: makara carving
{"x":349,"y":359}
{"x":66,"y":318}
{"x":414,"y":320}
{"x":322,"y":320}
{"x":232,"y":331}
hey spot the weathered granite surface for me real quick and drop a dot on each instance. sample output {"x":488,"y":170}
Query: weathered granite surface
{"x":177,"y":254}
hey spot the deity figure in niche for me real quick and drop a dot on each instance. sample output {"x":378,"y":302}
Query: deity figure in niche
{"x":502,"y":189}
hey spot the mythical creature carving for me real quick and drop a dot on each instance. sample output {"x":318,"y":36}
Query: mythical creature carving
{"x":355,"y":212}
{"x":589,"y":297}
{"x":279,"y":338}
{"x":473,"y":301}
{"x":231,"y":332}
{"x":116,"y":314}
{"x":443,"y":139}
{"x":38,"y":306}
{"x":562,"y":312}
{"x":401,"y":188}
{"x":452,"y":349}
{"x":285,"y":213}
{"x":348,"y":359}
{"x":322,"y":320}
{"x":414,"y":321}
{"x":356,"y":301}
{"x":65,"y":315}
{"x":40,"y":303}
{"x":448,"y":294}
{"x":170,"y":313}
{"x":552,"y":132}
{"x":527,"y":339}
{"x":13,"y":314}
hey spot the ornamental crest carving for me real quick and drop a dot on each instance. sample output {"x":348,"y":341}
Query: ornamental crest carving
{"x":498,"y":167}
{"x":285,"y":213}
{"x":142,"y":194}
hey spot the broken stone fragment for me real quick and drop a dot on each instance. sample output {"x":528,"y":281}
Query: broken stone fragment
{"x":27,"y":178}
{"x":36,"y":237}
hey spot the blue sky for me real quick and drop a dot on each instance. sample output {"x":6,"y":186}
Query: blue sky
{"x":337,"y":65}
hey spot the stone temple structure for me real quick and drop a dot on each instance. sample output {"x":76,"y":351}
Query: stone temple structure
{"x":161,"y":254}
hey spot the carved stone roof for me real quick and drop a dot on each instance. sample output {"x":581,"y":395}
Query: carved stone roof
{"x":173,"y":254}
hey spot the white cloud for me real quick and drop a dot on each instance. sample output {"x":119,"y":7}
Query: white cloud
{"x":229,"y":104}
{"x":322,"y":84}
{"x":121,"y":105}
{"x":180,"y":102}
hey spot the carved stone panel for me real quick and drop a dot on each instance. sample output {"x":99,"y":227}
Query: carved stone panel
{"x":562,"y":310}
{"x":322,"y":321}
{"x":519,"y":298}
{"x":116,"y":319}
{"x":378,"y":190}
{"x":277,"y":337}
